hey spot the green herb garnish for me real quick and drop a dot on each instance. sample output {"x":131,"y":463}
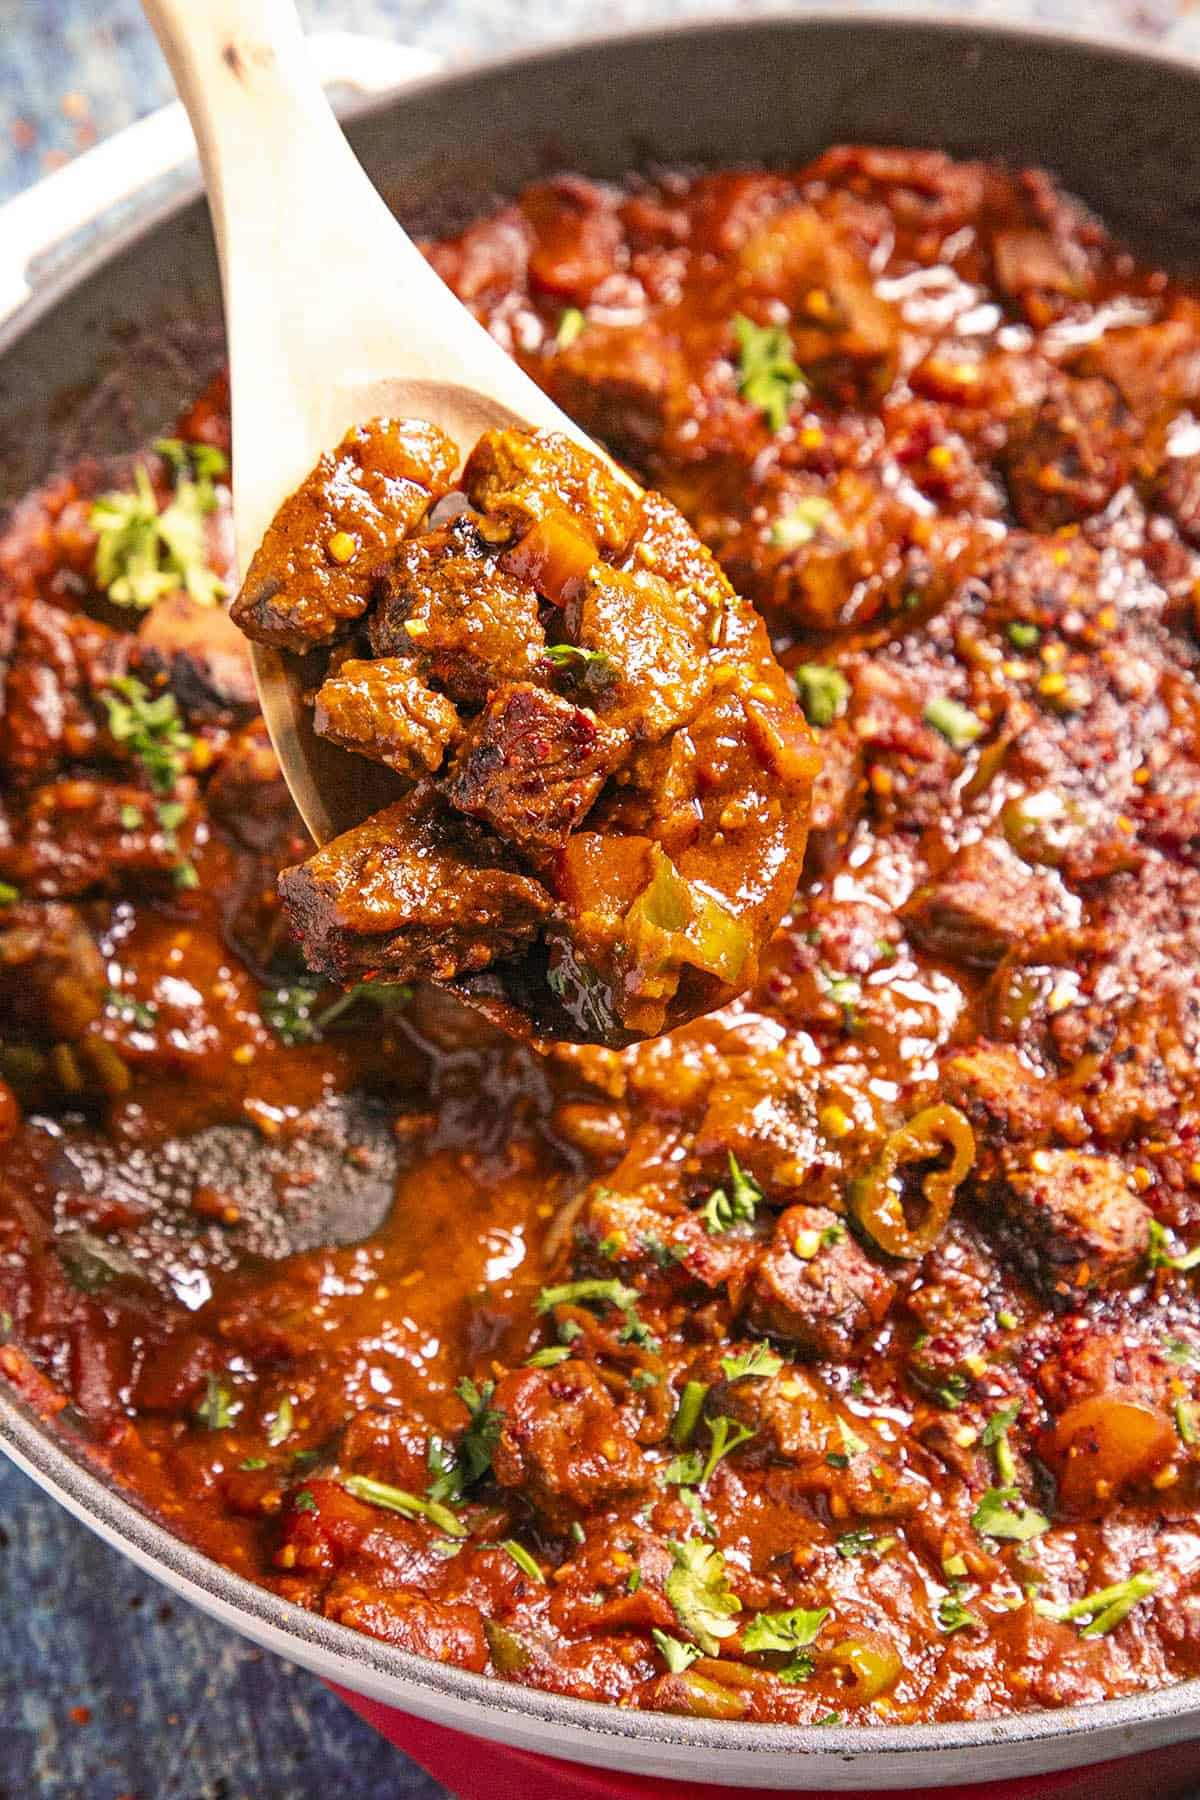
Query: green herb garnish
{"x":801,"y":523}
{"x":478,"y":1441}
{"x":687,"y":1413}
{"x":150,"y":728}
{"x":1002,"y":1514}
{"x":126,"y":1006}
{"x":1159,"y":1254}
{"x":957,"y":724}
{"x":280,"y":1428}
{"x":399,"y":1500}
{"x":789,"y":1633}
{"x":522,"y":1559}
{"x":216,"y":1409}
{"x":1105,"y":1609}
{"x":767,"y":375}
{"x":292,"y":1015}
{"x":953,"y":1614}
{"x":142,"y":554}
{"x":760,"y":1361}
{"x":675,"y":1653}
{"x":823,"y":692}
{"x":735,"y":1204}
{"x":698,"y":1589}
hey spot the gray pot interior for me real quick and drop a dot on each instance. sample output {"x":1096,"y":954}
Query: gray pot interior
{"x":111,"y":347}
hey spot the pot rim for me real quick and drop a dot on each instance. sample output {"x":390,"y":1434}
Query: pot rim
{"x":657,"y":1744}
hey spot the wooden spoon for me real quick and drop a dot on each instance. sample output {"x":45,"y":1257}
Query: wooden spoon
{"x":332,"y":316}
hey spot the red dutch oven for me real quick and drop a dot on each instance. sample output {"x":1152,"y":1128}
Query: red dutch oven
{"x":138,"y":311}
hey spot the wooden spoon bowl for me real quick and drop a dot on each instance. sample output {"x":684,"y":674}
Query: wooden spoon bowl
{"x":332,"y":317}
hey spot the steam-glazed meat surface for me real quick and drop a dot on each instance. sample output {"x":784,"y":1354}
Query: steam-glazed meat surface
{"x":838,"y":1354}
{"x":563,"y":651}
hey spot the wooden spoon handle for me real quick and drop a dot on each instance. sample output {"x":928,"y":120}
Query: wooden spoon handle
{"x":325,"y":296}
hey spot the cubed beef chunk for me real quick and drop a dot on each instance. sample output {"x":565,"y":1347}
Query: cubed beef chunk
{"x":470,"y":626}
{"x":517,"y":479}
{"x":442,"y":1631}
{"x":1028,"y":261}
{"x":411,"y":893}
{"x":206,"y":657}
{"x":1069,"y":458}
{"x":654,"y":639}
{"x":563,"y":1441}
{"x":1155,"y":368}
{"x":313,"y":573}
{"x":52,"y":666}
{"x":986,"y":901}
{"x":840,"y":326}
{"x":816,"y":1287}
{"x":531,"y":766}
{"x":77,"y":834}
{"x":1006,"y":1099}
{"x":624,"y":383}
{"x":384,"y":710}
{"x":52,"y":976}
{"x":1075,"y":1221}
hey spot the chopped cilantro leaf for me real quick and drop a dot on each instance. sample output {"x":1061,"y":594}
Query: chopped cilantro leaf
{"x":734,"y":1205}
{"x":482,"y":1434}
{"x":953,"y":1614}
{"x":150,"y":728}
{"x":677,"y":1655}
{"x":126,"y":1006}
{"x":698,"y":1589}
{"x":549,"y":1358}
{"x":143,"y":554}
{"x":823,"y":692}
{"x":1002,"y":1514}
{"x":784,"y":1631}
{"x":957,"y":723}
{"x":304,"y":1501}
{"x":253,"y":1462}
{"x":760,"y":1362}
{"x":767,"y":375}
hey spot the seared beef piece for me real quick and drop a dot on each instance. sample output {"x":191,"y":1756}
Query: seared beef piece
{"x":984,"y":902}
{"x":314,"y":572}
{"x":383,"y":709}
{"x":1069,"y":458}
{"x":53,"y":665}
{"x":841,"y":330}
{"x":655,"y":641}
{"x":1034,"y":262}
{"x":1155,"y":368}
{"x":1004,"y":1097}
{"x":518,"y":479}
{"x":52,"y":976}
{"x":625,"y":384}
{"x":816,"y":1287}
{"x":531,"y":766}
{"x":204,"y":655}
{"x":1072,"y":1221}
{"x":470,"y":626}
{"x":77,"y":834}
{"x":443,"y":1631}
{"x":563,"y":1442}
{"x":412,"y":893}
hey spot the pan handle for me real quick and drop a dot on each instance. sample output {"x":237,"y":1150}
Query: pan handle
{"x":119,"y":171}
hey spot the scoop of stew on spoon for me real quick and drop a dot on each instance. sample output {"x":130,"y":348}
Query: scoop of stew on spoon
{"x":546,"y":751}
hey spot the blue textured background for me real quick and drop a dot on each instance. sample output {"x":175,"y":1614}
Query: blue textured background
{"x":176,"y":1707}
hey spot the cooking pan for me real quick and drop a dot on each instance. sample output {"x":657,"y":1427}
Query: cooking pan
{"x":106,"y":345}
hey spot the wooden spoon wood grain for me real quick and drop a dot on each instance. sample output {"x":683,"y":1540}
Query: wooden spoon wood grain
{"x":332,"y":317}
